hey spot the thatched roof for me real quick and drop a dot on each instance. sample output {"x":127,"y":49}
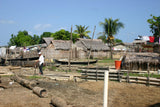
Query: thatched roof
{"x":47,"y":40}
{"x":61,"y":44}
{"x":96,"y":44}
{"x":142,"y":58}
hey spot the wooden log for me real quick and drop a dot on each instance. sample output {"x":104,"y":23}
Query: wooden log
{"x":2,"y":86}
{"x":24,"y":82}
{"x":58,"y":102}
{"x":41,"y":92}
{"x":33,"y":83}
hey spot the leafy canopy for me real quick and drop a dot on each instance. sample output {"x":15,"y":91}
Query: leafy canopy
{"x":82,"y":31}
{"x":45,"y":34}
{"x":154,"y":25}
{"x":111,"y":27}
{"x":23,"y":39}
{"x":64,"y":35}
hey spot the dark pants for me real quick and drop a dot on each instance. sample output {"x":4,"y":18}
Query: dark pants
{"x":40,"y":69}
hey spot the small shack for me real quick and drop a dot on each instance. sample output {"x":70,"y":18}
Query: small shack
{"x":57,"y":49}
{"x":98,"y":48}
{"x":141,"y":61}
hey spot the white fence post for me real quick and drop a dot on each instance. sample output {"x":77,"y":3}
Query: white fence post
{"x":105,"y":96}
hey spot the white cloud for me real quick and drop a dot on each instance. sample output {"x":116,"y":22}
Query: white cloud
{"x":42,"y":26}
{"x":7,"y":22}
{"x":60,"y":28}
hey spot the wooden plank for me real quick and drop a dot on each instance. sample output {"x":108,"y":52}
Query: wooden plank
{"x":84,"y":70}
{"x":93,"y":74}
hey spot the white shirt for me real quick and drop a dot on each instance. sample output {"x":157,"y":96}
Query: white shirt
{"x":41,"y":59}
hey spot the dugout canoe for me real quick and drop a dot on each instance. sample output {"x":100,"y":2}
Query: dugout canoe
{"x":64,"y":61}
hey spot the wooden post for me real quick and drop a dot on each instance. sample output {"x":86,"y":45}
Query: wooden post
{"x":148,"y":78}
{"x":128,"y":76}
{"x":91,"y":45}
{"x":69,"y":61}
{"x":96,"y":75}
{"x":86,"y":75}
{"x":105,"y":97}
{"x":119,"y":76}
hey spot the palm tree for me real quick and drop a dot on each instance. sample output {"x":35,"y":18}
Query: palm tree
{"x":111,"y":27}
{"x":82,"y":31}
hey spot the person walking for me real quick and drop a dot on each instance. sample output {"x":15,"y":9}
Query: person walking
{"x":41,"y":62}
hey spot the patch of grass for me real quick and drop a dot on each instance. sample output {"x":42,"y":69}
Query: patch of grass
{"x":79,"y":71}
{"x":6,"y":75}
{"x":44,"y":67}
{"x":106,"y":61}
{"x":34,"y":77}
{"x":142,"y":75}
{"x":52,"y":68}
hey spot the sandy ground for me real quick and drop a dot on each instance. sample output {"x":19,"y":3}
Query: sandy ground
{"x":79,"y":94}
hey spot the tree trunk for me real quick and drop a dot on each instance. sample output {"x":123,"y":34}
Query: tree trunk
{"x":41,"y":92}
{"x":111,"y":53}
{"x":24,"y":82}
{"x":58,"y":102}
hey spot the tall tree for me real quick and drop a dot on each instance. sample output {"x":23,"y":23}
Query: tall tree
{"x":111,"y":28}
{"x":22,"y":39}
{"x":12,"y":40}
{"x":64,"y":35}
{"x":82,"y":31}
{"x":103,"y":38}
{"x":155,"y":25}
{"x":35,"y":39}
{"x":45,"y":34}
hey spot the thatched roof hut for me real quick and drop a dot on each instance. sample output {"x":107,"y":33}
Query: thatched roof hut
{"x":47,"y":40}
{"x":61,"y":44}
{"x":95,"y":44}
{"x":139,"y":61}
{"x":57,"y":49}
{"x":143,"y":57}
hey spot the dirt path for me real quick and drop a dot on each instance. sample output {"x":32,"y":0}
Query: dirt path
{"x":80,"y":94}
{"x":127,"y":95}
{"x":18,"y":96}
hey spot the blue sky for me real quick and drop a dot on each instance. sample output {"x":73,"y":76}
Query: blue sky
{"x":38,"y":16}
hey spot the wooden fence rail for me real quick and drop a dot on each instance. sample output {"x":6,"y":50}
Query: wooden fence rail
{"x":88,"y":74}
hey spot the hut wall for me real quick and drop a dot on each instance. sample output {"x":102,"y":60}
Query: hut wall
{"x":100,"y":54}
{"x":81,"y":54}
{"x":95,"y":54}
{"x":51,"y":53}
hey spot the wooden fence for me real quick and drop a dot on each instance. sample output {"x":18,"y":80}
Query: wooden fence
{"x":96,"y":75}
